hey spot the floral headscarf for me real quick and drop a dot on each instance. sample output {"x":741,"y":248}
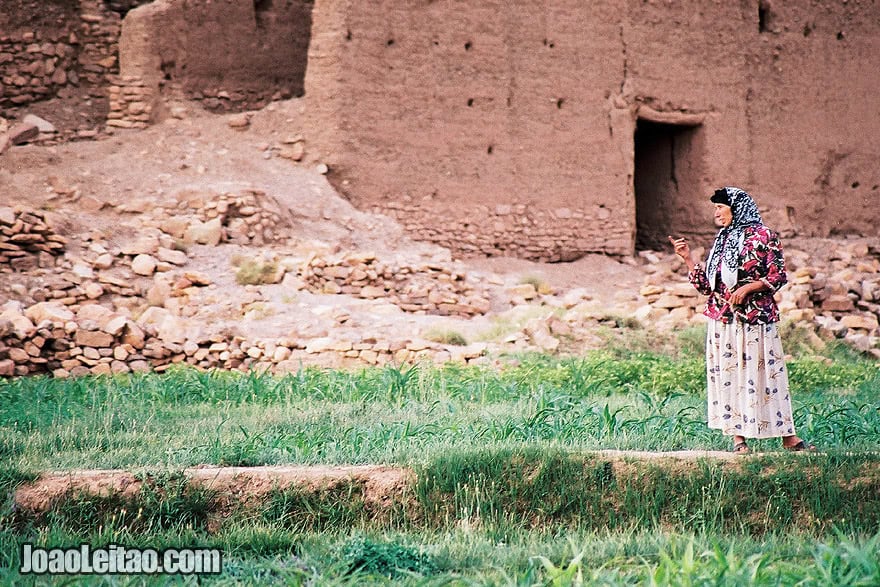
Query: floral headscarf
{"x":730,"y":239}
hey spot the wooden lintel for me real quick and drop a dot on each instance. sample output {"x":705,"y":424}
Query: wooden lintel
{"x":671,"y":117}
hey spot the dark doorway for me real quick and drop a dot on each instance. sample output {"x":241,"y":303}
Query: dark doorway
{"x":668,"y":162}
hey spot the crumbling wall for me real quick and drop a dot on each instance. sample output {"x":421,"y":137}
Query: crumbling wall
{"x":230,"y":55}
{"x":508,"y":127}
{"x":48,"y":46}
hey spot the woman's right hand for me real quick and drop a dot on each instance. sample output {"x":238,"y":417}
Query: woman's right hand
{"x":683,"y":250}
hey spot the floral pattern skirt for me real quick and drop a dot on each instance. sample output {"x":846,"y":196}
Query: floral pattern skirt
{"x":748,"y":384}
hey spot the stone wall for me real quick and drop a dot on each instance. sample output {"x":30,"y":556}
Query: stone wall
{"x":72,"y":44}
{"x":442,"y":114}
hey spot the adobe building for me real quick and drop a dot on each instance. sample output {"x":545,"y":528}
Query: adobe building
{"x":542,"y":129}
{"x":549,"y":129}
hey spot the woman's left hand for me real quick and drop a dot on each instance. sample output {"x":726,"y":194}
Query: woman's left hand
{"x":738,"y":296}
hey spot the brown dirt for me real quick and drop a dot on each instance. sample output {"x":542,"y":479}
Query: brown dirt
{"x":381,"y":484}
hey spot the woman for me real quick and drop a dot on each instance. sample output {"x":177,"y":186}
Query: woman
{"x":745,"y":369}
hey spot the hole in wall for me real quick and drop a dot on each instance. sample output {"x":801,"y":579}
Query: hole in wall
{"x":840,"y":36}
{"x":855,"y":184}
{"x":559,"y":103}
{"x":467,"y":46}
{"x":122,"y":7}
{"x":167,"y":68}
{"x":762,"y":19}
{"x":490,"y":149}
{"x":470,"y":102}
{"x":669,"y":160}
{"x":389,"y":43}
{"x":347,"y":35}
{"x":261,"y":7}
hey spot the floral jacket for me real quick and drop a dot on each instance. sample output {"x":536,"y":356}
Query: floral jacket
{"x":760,"y":260}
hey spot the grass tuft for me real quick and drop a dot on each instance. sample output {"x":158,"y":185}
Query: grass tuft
{"x":255,"y":272}
{"x":444,"y":336}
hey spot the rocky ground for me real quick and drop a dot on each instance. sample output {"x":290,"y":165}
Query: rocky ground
{"x":215,"y":241}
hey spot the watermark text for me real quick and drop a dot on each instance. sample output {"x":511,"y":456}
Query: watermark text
{"x":115,"y":559}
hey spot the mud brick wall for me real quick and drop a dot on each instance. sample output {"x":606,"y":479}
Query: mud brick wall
{"x":229,"y":55}
{"x":439,"y":112}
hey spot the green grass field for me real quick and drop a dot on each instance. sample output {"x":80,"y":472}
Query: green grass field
{"x":507,"y":490}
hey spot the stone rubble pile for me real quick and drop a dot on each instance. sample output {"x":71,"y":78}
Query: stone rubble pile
{"x":248,"y":218}
{"x":837,"y":297}
{"x":428,"y":288}
{"x":25,"y":235}
{"x":104,"y":306}
{"x":49,"y":337}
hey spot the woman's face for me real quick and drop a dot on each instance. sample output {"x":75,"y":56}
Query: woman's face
{"x":723,"y":215}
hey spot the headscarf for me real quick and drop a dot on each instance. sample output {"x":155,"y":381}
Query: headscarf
{"x":729,"y":241}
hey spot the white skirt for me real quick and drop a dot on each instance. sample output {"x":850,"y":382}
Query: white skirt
{"x":747,"y":380}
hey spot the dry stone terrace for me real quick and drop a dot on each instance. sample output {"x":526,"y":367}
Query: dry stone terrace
{"x":84,"y":303}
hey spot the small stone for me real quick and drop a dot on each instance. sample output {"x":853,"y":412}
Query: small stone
{"x":118,"y":367}
{"x":101,"y":369}
{"x":115,"y":325}
{"x":144,"y":245}
{"x":42,"y":125}
{"x":372,"y":292}
{"x":7,"y":215}
{"x":525,"y":291}
{"x":205,"y":233}
{"x":7,"y":367}
{"x":172,"y":256}
{"x":95,"y":338}
{"x":197,"y":278}
{"x":239,"y":121}
{"x":838,"y":303}
{"x":294,"y":152}
{"x":93,"y":290}
{"x":862,"y":321}
{"x":48,"y":311}
{"x":22,"y":133}
{"x":104,"y":261}
{"x":143,"y":265}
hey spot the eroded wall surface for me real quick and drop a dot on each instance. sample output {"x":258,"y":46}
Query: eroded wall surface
{"x":508,"y":127}
{"x":228,"y":54}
